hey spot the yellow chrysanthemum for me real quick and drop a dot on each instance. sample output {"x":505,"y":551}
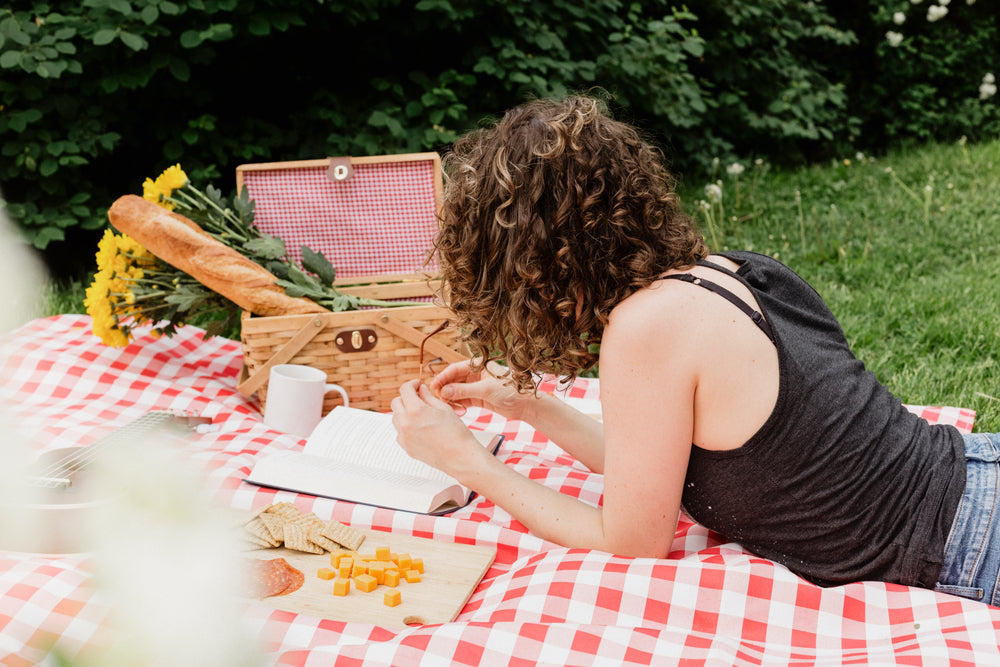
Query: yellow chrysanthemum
{"x":151,"y":191}
{"x":172,"y":178}
{"x":107,"y":248}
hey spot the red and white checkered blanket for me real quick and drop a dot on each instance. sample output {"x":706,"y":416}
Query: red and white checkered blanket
{"x":539,"y":604}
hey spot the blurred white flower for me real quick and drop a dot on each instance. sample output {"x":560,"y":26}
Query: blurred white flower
{"x":167,"y":562}
{"x":22,"y":275}
{"x":970,"y":2}
{"x":944,"y":3}
{"x":935,"y":12}
{"x":916,"y":2}
{"x":899,"y":18}
{"x":894,"y":38}
{"x":735,"y":169}
{"x":987,"y":88}
{"x":713,"y":192}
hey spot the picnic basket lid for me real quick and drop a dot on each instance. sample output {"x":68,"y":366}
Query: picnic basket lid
{"x":368,"y":215}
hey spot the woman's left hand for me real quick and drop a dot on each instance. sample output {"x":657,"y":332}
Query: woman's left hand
{"x":429,"y":430}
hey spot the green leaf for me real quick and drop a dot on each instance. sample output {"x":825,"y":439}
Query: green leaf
{"x":133,"y":41}
{"x":259,"y":26}
{"x":105,"y":36}
{"x":121,"y":6}
{"x":292,"y":290}
{"x":279,"y":269}
{"x":180,"y":69}
{"x":191,"y":39}
{"x":149,"y":14}
{"x":10,"y":59}
{"x":170,"y":8}
{"x":45,"y":235}
{"x":379,"y":119}
{"x":244,"y":207}
{"x":48,"y":167}
{"x":185,"y":298}
{"x":266,"y":247}
{"x":318,"y":263}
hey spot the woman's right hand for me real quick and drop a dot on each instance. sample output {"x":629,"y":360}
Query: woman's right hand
{"x":459,"y":385}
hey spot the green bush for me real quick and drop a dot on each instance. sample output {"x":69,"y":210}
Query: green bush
{"x":99,"y":95}
{"x":919,"y":68}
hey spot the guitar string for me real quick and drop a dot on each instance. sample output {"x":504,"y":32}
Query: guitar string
{"x":86,"y":455}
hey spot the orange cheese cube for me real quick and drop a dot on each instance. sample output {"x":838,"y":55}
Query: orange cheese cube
{"x":341,"y":587}
{"x":391,"y":578}
{"x":412,"y":576}
{"x":404,"y":561}
{"x":377,"y":570}
{"x":325,"y":573}
{"x":365,"y":582}
{"x":359,"y":569}
{"x":417,"y":564}
{"x":392,"y":598}
{"x":382,"y":553}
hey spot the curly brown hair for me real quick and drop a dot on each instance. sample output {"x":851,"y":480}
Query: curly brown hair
{"x":554,"y":207}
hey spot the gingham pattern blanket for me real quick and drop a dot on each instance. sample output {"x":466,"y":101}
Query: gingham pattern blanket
{"x":539,"y":604}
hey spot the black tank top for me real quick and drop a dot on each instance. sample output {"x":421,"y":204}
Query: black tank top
{"x":841,"y":483}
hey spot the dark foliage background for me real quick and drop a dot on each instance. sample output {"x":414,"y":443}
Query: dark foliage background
{"x":99,"y":95}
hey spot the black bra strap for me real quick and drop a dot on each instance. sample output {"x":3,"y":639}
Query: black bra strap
{"x":754,"y":315}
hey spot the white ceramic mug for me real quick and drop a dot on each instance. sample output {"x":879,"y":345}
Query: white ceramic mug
{"x":295,"y":398}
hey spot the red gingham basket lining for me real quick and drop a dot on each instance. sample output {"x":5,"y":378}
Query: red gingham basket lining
{"x":380,"y":221}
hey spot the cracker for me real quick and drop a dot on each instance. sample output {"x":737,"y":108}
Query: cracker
{"x":257,"y":529}
{"x":275,"y":526}
{"x":253,"y":514}
{"x":345,"y":536}
{"x":297,"y":538}
{"x":255,"y":542}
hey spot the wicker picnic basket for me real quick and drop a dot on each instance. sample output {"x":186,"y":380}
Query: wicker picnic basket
{"x":375,"y":219}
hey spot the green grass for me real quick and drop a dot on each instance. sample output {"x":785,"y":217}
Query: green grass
{"x":912,"y":274}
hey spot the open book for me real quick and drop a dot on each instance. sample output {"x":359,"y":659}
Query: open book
{"x":353,"y":455}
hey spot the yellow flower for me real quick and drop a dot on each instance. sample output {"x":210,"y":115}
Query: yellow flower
{"x":150,"y":191}
{"x":172,"y":178}
{"x":107,"y":248}
{"x":111,"y":296}
{"x":160,"y":190}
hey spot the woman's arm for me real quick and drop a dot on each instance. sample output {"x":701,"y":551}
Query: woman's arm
{"x":648,"y":382}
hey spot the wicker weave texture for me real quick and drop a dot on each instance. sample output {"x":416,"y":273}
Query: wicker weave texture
{"x":371,"y":378}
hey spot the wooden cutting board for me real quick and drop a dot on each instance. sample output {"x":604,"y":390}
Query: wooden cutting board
{"x":451,"y":574}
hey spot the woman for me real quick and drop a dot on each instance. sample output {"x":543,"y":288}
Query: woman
{"x":726,"y":383}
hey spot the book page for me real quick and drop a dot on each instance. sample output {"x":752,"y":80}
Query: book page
{"x":320,"y":476}
{"x":364,"y":438}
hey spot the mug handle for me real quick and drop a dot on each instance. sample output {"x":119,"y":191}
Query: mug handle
{"x":337,"y":388}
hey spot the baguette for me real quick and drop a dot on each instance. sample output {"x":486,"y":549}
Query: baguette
{"x":180,"y":242}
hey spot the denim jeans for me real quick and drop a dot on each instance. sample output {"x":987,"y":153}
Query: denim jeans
{"x":972,"y":553}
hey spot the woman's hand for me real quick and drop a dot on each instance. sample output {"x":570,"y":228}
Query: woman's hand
{"x":429,"y":430}
{"x":458,"y":385}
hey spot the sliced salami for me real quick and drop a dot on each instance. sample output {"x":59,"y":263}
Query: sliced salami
{"x":273,"y":577}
